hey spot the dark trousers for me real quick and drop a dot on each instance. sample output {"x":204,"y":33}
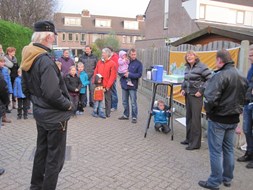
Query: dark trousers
{"x":81,"y":103}
{"x":108,"y":102}
{"x":164,"y":127}
{"x":74,"y":99}
{"x":23,"y":104}
{"x":193,"y":120}
{"x":12,"y":83}
{"x":91,"y":93}
{"x":114,"y":95}
{"x":49,"y":156}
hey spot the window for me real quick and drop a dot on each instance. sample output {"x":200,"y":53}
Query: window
{"x":128,"y":39}
{"x":77,"y":37}
{"x":103,"y":23}
{"x":72,"y":21}
{"x":240,"y":17}
{"x":166,"y":14}
{"x":123,"y":39}
{"x":82,"y":37}
{"x":63,"y":37}
{"x":202,"y":11}
{"x":131,"y":25}
{"x":95,"y":37}
{"x":70,"y":36}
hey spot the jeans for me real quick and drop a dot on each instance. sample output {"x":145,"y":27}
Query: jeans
{"x":98,"y":108}
{"x":49,"y":155}
{"x":247,"y":127}
{"x":221,"y":150}
{"x":114,"y":94}
{"x":125,"y":101}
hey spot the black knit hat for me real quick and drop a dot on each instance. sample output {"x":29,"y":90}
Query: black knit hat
{"x":44,"y":26}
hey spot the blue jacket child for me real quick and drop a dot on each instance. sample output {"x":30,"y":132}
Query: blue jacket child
{"x":17,"y":90}
{"x":85,"y":82}
{"x":23,"y":102}
{"x":7,"y":78}
{"x":161,"y":116}
{"x":83,"y":76}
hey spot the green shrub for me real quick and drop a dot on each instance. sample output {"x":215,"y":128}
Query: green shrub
{"x":14,"y":35}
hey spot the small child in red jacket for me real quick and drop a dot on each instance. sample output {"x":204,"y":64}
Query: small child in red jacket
{"x":98,"y":97}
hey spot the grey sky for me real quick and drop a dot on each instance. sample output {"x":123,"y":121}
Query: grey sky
{"x":124,"y":8}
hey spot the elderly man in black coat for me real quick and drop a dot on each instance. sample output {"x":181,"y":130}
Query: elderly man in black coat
{"x":43,"y":84}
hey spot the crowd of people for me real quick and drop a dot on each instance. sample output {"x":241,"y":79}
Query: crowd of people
{"x":92,"y":82}
{"x":73,"y":87}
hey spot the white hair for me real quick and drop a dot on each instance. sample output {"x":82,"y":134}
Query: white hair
{"x":107,"y":51}
{"x":39,"y":37}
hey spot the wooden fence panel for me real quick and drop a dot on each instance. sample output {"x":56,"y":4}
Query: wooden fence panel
{"x":155,"y":56}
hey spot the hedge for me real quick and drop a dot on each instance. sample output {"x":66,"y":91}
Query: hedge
{"x":14,"y":35}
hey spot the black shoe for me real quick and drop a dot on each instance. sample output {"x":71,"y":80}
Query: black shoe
{"x":134,"y":120}
{"x":123,"y":118}
{"x":8,"y":111}
{"x":91,"y":104}
{"x":185,"y":142}
{"x":166,"y":130}
{"x":191,"y":148}
{"x":249,"y":165}
{"x":25,"y":117}
{"x":245,"y":158}
{"x":19,"y":117}
{"x":226,"y":184}
{"x":2,"y":171}
{"x":204,"y":184}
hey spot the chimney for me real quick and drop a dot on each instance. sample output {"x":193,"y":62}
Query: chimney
{"x":140,"y":17}
{"x":86,"y":13}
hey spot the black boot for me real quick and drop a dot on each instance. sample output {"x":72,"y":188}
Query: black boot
{"x":246,"y":157}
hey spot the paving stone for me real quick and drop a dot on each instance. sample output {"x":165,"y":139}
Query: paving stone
{"x":108,"y":154}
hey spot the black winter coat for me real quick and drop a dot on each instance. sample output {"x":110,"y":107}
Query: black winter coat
{"x":44,"y":84}
{"x":73,"y":83}
{"x":4,"y":94}
{"x":90,"y":63}
{"x":225,"y":93}
{"x":195,"y":78}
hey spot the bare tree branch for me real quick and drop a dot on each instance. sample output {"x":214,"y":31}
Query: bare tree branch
{"x":27,"y":12}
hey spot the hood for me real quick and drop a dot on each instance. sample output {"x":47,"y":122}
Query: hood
{"x":98,"y":76}
{"x":122,"y":53}
{"x":29,"y":54}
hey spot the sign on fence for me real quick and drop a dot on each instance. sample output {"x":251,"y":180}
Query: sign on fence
{"x":177,"y":62}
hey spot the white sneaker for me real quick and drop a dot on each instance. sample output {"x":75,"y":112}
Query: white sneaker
{"x":129,"y":83}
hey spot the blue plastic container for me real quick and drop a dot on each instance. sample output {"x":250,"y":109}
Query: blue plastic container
{"x":154,"y":74}
{"x":159,"y":75}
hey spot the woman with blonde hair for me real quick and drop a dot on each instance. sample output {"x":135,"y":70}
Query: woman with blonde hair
{"x":195,"y":77}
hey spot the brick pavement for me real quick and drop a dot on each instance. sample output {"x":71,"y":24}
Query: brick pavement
{"x":112,"y":154}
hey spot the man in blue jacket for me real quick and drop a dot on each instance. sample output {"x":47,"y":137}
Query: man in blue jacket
{"x":134,"y":73}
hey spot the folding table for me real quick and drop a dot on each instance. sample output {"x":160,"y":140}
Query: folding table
{"x":155,"y":84}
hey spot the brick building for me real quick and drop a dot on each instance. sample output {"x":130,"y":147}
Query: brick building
{"x":77,"y":30}
{"x":170,"y":20}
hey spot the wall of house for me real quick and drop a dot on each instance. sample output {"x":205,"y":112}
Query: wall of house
{"x":154,"y":20}
{"x":180,"y":23}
